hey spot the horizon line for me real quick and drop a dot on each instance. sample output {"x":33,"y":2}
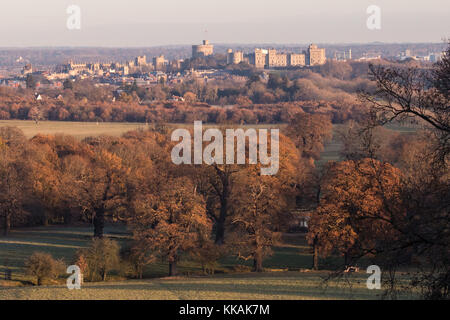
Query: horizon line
{"x":222,"y":44}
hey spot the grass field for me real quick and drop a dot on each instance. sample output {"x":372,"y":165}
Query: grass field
{"x":287,"y":286}
{"x":62,"y":242}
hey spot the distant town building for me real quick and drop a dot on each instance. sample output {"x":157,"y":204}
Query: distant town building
{"x":235,"y":57}
{"x":405,"y":55}
{"x":99,"y":68}
{"x":202,"y":50}
{"x":159,"y":62}
{"x":262,"y":58}
{"x":258,"y":58}
{"x":315,"y":56}
{"x":296,"y":59}
{"x":275,"y":59}
{"x":140,"y":61}
{"x":367,"y":57}
{"x":27,"y":69}
{"x":436,"y":57}
{"x":125,"y":70}
{"x":176,"y":64}
{"x":343,"y":55}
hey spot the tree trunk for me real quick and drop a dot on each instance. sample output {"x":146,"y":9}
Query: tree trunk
{"x":99,"y":223}
{"x":104,"y":275}
{"x":45,"y":219}
{"x":172,"y":269}
{"x":224,"y":195}
{"x":220,"y":229}
{"x":258,"y":261}
{"x":315,"y":254}
{"x":7,"y":225}
{"x":67,"y":216}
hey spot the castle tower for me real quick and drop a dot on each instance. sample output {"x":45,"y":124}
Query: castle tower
{"x":202,"y":50}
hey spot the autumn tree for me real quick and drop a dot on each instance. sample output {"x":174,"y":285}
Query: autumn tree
{"x":31,"y":81}
{"x":14,"y":176}
{"x":216,"y":182}
{"x":47,"y":179}
{"x":53,"y":185}
{"x":410,"y":93}
{"x":170,"y":220}
{"x":68,"y":84}
{"x":360,"y":142}
{"x":421,"y":96}
{"x":99,"y":184}
{"x":441,"y":74}
{"x":358,"y":207}
{"x":309,"y":134}
{"x":190,"y":97}
{"x":262,"y":205}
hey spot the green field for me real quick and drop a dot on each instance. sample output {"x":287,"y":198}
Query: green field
{"x":62,"y":242}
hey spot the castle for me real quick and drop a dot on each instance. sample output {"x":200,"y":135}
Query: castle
{"x":100,"y":68}
{"x":263,"y":58}
{"x":202,"y":50}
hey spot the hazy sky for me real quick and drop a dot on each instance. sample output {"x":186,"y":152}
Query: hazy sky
{"x":150,"y":23}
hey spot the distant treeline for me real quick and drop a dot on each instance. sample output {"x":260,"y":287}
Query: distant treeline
{"x":28,"y":108}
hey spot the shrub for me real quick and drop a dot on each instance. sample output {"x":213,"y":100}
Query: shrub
{"x":208,"y":256}
{"x":242,"y":269}
{"x":43,"y":266}
{"x":101,"y":257}
{"x":81,"y":262}
{"x":136,"y":257}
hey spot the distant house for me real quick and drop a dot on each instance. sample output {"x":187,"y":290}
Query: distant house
{"x":38,"y":97}
{"x":116,"y":94}
{"x":299,"y":220}
{"x":177,"y":98}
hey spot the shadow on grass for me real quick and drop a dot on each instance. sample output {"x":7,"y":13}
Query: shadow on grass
{"x":263,"y":285}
